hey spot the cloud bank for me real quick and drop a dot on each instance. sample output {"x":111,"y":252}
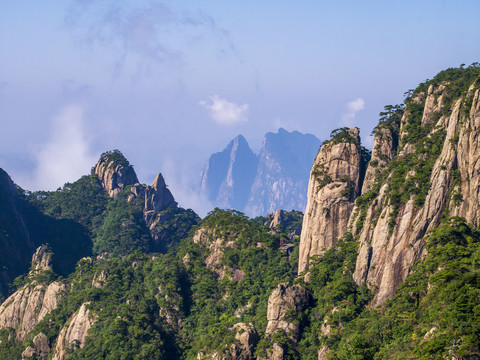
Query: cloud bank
{"x":66,"y":156}
{"x":353,"y":107}
{"x":224,"y":112}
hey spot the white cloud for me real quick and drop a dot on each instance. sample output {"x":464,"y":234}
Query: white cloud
{"x":66,"y":156}
{"x":225,"y":112}
{"x":348,"y":118}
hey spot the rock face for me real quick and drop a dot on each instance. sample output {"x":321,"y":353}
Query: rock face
{"x":228,"y":176}
{"x":39,"y":349}
{"x":384,"y":149}
{"x":242,"y":349}
{"x":115,"y":172}
{"x":258,"y":184}
{"x":25,"y":308}
{"x":390,"y":239}
{"x":335,"y":182}
{"x":282,"y":302}
{"x":155,"y":198}
{"x":41,"y":260}
{"x":216,"y":245}
{"x":247,"y":338}
{"x":74,"y":333}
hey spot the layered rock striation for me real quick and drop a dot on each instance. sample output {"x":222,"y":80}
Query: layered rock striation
{"x":115,"y":172}
{"x":423,"y":168}
{"x":74,"y":333}
{"x":335,"y":182}
{"x":26,"y":307}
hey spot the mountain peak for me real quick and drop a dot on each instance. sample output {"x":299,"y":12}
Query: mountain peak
{"x":115,"y":172}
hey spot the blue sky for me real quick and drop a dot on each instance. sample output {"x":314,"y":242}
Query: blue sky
{"x":170,"y":82}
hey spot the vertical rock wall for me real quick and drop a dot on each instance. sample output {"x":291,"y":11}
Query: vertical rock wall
{"x":334,"y":184}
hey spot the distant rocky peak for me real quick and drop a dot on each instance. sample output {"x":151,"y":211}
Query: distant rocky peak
{"x":41,"y":260}
{"x":157,"y":196}
{"x":228,"y":176}
{"x":115,"y":172}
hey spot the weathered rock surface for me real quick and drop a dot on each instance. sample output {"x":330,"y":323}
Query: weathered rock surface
{"x":384,"y":149}
{"x":39,"y":349}
{"x":335,"y":182}
{"x":284,"y":301}
{"x":388,"y":252}
{"x":115,"y":175}
{"x":216,"y":245}
{"x":41,"y":260}
{"x":242,"y":349}
{"x":467,"y":160}
{"x":155,"y":198}
{"x":25,"y":308}
{"x":74,"y":333}
{"x":247,"y":339}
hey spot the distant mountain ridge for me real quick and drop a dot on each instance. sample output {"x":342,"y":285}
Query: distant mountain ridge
{"x":261,"y":183}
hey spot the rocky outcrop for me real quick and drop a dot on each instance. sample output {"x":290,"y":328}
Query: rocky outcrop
{"x":335,"y":182}
{"x":216,"y":245}
{"x":25,"y":308}
{"x":384,"y":149}
{"x":115,"y":173}
{"x":154,"y":199}
{"x":74,"y":333}
{"x":467,"y":192}
{"x":278,"y":219}
{"x":391,"y":234}
{"x":41,"y":261}
{"x":246,"y":339}
{"x":39,"y":349}
{"x":284,"y":305}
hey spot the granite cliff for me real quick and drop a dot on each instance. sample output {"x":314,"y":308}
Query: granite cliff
{"x":422,"y":169}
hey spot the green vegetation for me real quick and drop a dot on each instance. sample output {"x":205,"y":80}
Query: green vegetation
{"x":163,"y":285}
{"x":174,"y":305}
{"x":115,"y":156}
{"x":123,"y":230}
{"x":435,"y":313}
{"x":83,"y":201}
{"x":341,"y":135}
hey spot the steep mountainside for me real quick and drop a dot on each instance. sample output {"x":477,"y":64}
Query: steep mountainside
{"x":227,"y":178}
{"x":335,"y":183}
{"x":422,"y":169}
{"x":275,"y":179}
{"x":24,"y":227}
{"x":389,"y":255}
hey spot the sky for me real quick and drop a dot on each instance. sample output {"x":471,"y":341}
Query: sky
{"x":170,"y":82}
